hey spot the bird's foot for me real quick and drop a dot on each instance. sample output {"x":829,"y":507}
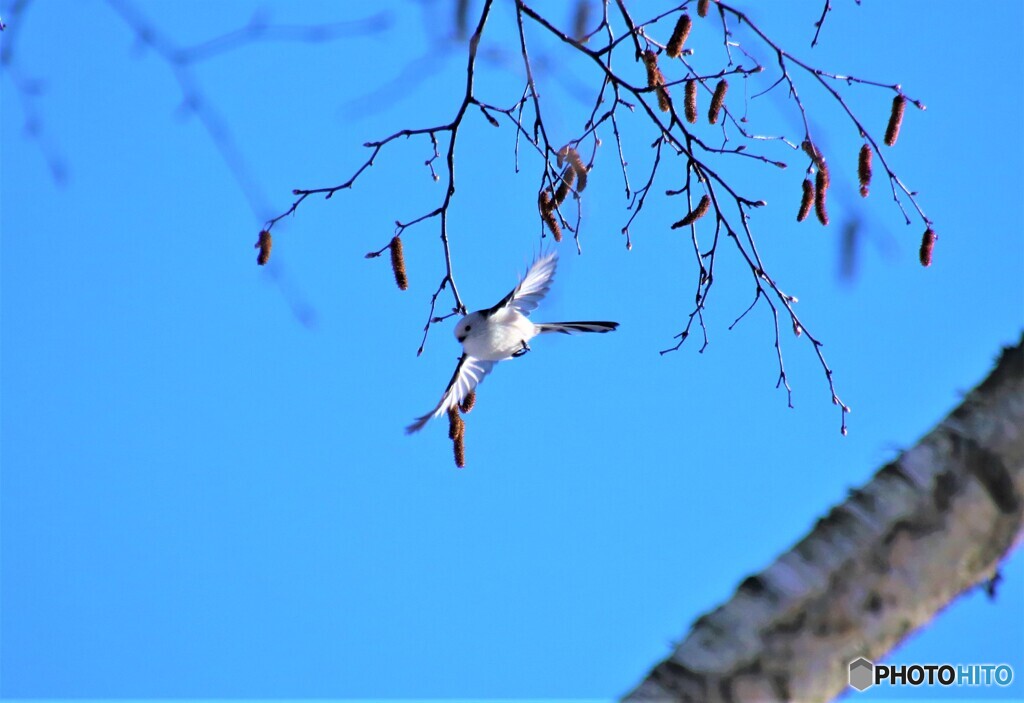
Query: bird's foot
{"x":526,"y":348}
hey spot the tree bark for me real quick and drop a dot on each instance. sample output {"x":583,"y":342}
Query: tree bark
{"x":927,"y":527}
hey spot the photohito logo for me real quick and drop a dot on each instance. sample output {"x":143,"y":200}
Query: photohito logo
{"x":865,"y":674}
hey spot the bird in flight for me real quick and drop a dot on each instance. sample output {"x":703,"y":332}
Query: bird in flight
{"x":502,"y":332}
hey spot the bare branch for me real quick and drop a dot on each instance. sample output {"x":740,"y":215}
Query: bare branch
{"x":640,"y":93}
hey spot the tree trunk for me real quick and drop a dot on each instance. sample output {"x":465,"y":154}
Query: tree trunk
{"x":928,"y":526}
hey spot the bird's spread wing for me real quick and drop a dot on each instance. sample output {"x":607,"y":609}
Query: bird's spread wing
{"x":527,"y":295}
{"x":468,"y":374}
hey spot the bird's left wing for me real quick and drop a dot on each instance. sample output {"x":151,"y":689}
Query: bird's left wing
{"x":527,"y":295}
{"x":468,"y":375}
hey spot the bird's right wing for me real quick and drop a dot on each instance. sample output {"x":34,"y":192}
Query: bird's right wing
{"x":527,"y":295}
{"x":468,"y":375}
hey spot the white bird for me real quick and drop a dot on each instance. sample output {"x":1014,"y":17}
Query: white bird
{"x":502,"y":332}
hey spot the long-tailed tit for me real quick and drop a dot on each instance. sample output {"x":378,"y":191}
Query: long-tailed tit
{"x":503,"y":332}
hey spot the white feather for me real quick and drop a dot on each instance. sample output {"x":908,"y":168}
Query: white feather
{"x":468,"y":375}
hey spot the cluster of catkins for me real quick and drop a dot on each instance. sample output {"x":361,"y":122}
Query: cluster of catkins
{"x":814,"y":194}
{"x":656,"y":81}
{"x":548,"y":201}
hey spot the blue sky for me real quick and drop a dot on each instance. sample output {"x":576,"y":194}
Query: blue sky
{"x":206,"y":490}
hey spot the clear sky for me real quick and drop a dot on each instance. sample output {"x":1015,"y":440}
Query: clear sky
{"x":206,"y":489}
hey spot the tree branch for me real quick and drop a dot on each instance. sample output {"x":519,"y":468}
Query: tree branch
{"x":927,"y":527}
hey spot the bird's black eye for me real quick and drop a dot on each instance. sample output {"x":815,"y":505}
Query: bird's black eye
{"x":469,"y":327}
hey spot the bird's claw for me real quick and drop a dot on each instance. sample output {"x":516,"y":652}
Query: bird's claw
{"x":526,"y":348}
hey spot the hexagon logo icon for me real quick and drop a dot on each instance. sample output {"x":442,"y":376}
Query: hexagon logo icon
{"x":862,"y":674}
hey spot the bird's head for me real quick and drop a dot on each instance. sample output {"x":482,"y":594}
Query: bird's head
{"x":468,"y":325}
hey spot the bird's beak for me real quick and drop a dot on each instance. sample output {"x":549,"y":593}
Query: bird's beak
{"x":460,"y":338}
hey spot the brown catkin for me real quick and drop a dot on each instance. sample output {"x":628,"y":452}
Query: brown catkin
{"x":552,"y":222}
{"x":581,"y":20}
{"x":398,"y":263}
{"x":654,"y":76}
{"x":562,"y":153}
{"x":695,"y":214}
{"x":806,"y":200}
{"x":691,"y":101}
{"x":456,"y":425}
{"x":820,"y":189}
{"x":564,"y":184}
{"x":656,"y":80}
{"x":264,"y":244}
{"x":468,"y":402}
{"x":702,"y":8}
{"x":892,"y":132}
{"x":717,"y":99}
{"x":675,"y":43}
{"x":927,"y":244}
{"x":461,"y":18}
{"x":664,"y":104}
{"x":547,"y":213}
{"x":813,"y":152}
{"x":822,"y":180}
{"x":459,"y":445}
{"x":864,"y":169}
{"x":581,"y":171}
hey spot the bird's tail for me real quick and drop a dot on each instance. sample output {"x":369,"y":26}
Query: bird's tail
{"x":572,"y":327}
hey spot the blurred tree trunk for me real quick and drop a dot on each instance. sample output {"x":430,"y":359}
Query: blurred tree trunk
{"x":928,"y":526}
